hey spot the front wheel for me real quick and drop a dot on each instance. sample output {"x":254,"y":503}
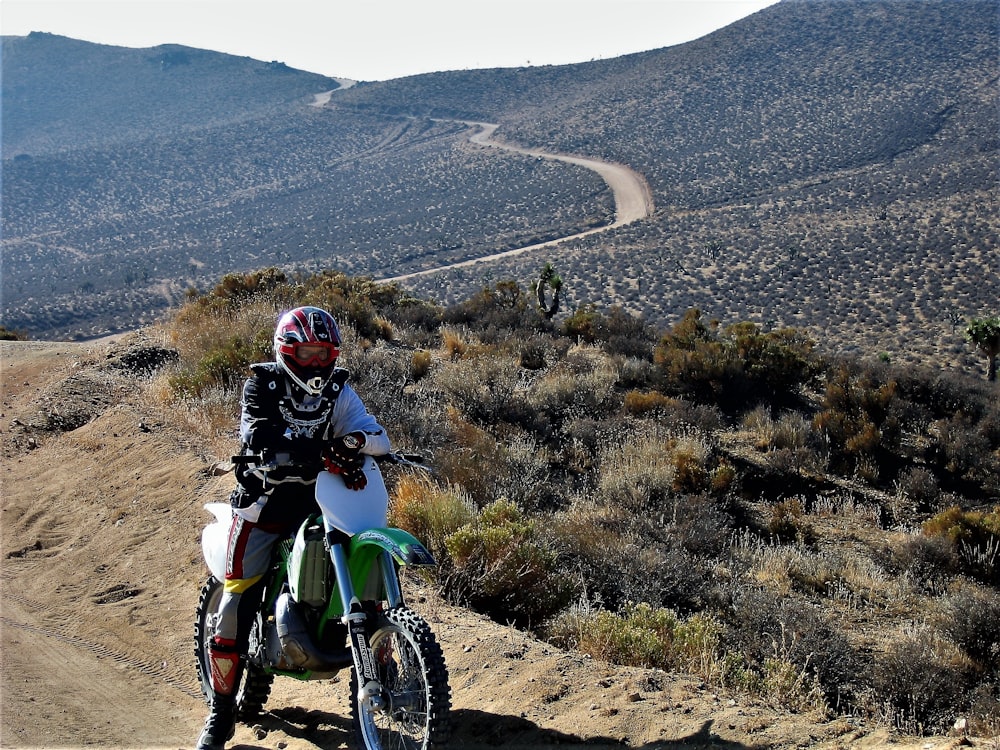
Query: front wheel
{"x":412,"y":712}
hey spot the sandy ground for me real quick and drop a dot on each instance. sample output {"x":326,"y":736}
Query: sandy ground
{"x":102,"y":496}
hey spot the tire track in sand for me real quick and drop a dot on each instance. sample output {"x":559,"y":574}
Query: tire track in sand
{"x":633,"y":198}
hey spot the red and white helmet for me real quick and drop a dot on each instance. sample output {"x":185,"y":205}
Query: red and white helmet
{"x":306,"y":347}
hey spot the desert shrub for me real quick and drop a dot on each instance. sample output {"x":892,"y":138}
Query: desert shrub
{"x":792,"y":431}
{"x":236,"y":287}
{"x":958,"y":525}
{"x":523,"y":472}
{"x":740,"y":364}
{"x":581,"y":385}
{"x":790,"y":443}
{"x":777,"y":681}
{"x":533,"y":354}
{"x":633,"y":473}
{"x":223,"y":367}
{"x":944,"y":394}
{"x":760,"y":424}
{"x":503,"y":568}
{"x":455,"y":342}
{"x":723,"y":479}
{"x":482,"y":386}
{"x":970,"y":619}
{"x":929,"y":562}
{"x":420,"y":364}
{"x":641,"y":467}
{"x":690,"y":455}
{"x":920,"y":487}
{"x":247,"y":306}
{"x":408,"y":312}
{"x":496,"y":311}
{"x":975,"y":537}
{"x":672,"y":412}
{"x":622,"y":558}
{"x":960,"y":450}
{"x":702,"y":525}
{"x":642,"y":403}
{"x":661,"y":570}
{"x":583,"y":324}
{"x":470,"y":449}
{"x":620,"y":332}
{"x":856,"y":418}
{"x":637,"y":374}
{"x":781,"y":637}
{"x":429,"y":512}
{"x":515,"y":467}
{"x":787,"y":522}
{"x":641,"y":636}
{"x":921,"y":680}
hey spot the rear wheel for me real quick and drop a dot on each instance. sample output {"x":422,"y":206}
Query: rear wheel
{"x":255,"y":684}
{"x":411,"y":712}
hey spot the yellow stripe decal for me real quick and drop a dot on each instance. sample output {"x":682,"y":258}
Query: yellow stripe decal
{"x":239,"y":585}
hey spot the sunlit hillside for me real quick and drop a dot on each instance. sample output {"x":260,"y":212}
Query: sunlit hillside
{"x":825,"y":164}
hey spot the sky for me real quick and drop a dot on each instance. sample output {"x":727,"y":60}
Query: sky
{"x":375,"y":40}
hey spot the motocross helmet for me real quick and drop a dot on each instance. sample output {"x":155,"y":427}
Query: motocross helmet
{"x":306,"y":347}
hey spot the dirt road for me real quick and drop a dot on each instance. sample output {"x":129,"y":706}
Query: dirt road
{"x":633,"y":198}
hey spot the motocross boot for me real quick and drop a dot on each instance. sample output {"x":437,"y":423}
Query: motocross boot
{"x":220,"y":724}
{"x":224,"y":663}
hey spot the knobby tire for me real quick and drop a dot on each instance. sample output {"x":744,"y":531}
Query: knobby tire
{"x":255,"y":684}
{"x":412,"y":669}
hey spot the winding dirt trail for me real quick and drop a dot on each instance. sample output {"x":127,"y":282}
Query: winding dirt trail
{"x":633,"y":198}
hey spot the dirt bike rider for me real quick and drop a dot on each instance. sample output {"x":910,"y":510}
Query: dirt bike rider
{"x":298,"y":409}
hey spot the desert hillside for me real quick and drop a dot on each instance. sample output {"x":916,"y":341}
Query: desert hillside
{"x":829,"y":165}
{"x":101,"y":512}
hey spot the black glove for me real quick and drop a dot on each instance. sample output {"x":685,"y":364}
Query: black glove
{"x":343,"y":455}
{"x":355,"y":479}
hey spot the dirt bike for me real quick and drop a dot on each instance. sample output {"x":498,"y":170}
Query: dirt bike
{"x":332,"y":600}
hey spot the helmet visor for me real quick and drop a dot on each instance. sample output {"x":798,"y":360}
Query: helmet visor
{"x":312,"y":353}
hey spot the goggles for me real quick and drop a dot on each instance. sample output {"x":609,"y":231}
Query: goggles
{"x":311,"y":353}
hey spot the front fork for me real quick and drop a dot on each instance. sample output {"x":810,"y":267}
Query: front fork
{"x":356,"y":620}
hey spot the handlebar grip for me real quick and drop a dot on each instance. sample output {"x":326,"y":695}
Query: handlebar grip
{"x":243,"y":460}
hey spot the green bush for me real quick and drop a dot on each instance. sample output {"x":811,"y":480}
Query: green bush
{"x":247,"y":306}
{"x":958,"y":525}
{"x":429,"y":512}
{"x":641,"y":636}
{"x":975,"y":536}
{"x":735,"y":366}
{"x":503,"y":568}
{"x":225,"y":366}
{"x":857,"y":418}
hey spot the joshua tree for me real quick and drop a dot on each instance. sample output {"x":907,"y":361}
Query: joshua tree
{"x":548,"y":278}
{"x":985,"y":334}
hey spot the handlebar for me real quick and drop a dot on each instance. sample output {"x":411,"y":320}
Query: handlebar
{"x":283,"y":460}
